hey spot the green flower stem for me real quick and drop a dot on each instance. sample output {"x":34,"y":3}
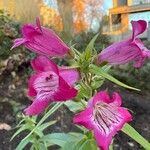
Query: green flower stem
{"x":51,"y":111}
{"x":87,"y":79}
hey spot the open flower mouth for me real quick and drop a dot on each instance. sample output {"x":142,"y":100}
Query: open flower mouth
{"x":106,"y":116}
{"x":47,"y":82}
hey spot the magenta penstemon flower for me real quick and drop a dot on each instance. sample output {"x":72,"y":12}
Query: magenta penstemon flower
{"x":50,"y":83}
{"x":41,"y":40}
{"x":128,"y":50}
{"x":104,"y":117}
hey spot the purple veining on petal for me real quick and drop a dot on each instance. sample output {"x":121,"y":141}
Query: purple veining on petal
{"x":44,"y":83}
{"x":105,"y":116}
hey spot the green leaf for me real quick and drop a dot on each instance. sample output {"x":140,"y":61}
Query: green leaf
{"x":99,"y":71}
{"x":74,"y":106}
{"x":47,"y":124}
{"x":51,"y":111}
{"x":87,"y":56}
{"x":78,"y":144}
{"x":41,"y":146}
{"x":69,"y":145}
{"x":24,"y":127}
{"x":22,"y":144}
{"x":97,"y":83}
{"x":111,"y":147}
{"x":83,"y":129}
{"x":90,"y":46}
{"x":61,"y":139}
{"x":73,"y":145}
{"x":106,"y":68}
{"x":131,"y":132}
{"x":89,"y":144}
{"x":76,"y":51}
{"x":84,"y":91}
{"x":39,"y":132}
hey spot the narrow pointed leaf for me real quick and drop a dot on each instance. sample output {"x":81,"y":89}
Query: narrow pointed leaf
{"x":47,"y":124}
{"x":131,"y":132}
{"x":99,"y":71}
{"x":90,"y":46}
{"x":89,"y":49}
{"x":50,"y":112}
{"x":24,"y":127}
{"x":22,"y":144}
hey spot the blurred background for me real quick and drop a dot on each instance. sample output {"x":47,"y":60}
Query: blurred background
{"x":76,"y":22}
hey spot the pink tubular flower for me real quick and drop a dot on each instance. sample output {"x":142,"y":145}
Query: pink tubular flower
{"x":127,"y":50}
{"x":104,"y":117}
{"x":41,"y":40}
{"x":50,"y":83}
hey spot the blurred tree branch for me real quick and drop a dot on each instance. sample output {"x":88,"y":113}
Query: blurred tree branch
{"x":65,"y":10}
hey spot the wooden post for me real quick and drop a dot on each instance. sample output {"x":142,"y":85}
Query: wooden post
{"x":110,"y":22}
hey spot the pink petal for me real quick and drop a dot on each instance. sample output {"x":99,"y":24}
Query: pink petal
{"x":65,"y":92}
{"x":102,"y":141}
{"x":46,"y":83}
{"x":42,"y":63}
{"x":101,"y":96}
{"x":53,"y":43}
{"x":38,"y":48}
{"x":112,"y":121}
{"x":138,"y":27}
{"x":37,"y":107}
{"x":18,"y":42}
{"x":29,"y":31}
{"x":105,"y":117}
{"x":125,"y":113}
{"x":139,"y":62}
{"x":146,"y":53}
{"x":84,"y":118}
{"x":116,"y":99}
{"x":42,"y":40}
{"x":127,"y":50}
{"x":139,"y":43}
{"x":47,"y":43}
{"x":125,"y":54}
{"x":69,"y":75}
{"x":38,"y":24}
{"x":31,"y":89}
{"x":113,"y":52}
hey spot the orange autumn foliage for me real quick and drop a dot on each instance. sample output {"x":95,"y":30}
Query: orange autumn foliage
{"x":80,"y":23}
{"x":79,"y":26}
{"x":50,"y":14}
{"x":51,"y":17}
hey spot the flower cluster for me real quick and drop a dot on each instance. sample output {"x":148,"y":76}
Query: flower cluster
{"x":103,"y":115}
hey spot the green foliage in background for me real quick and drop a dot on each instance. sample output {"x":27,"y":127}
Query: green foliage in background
{"x":9,"y":30}
{"x":84,"y":38}
{"x":137,"y":77}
